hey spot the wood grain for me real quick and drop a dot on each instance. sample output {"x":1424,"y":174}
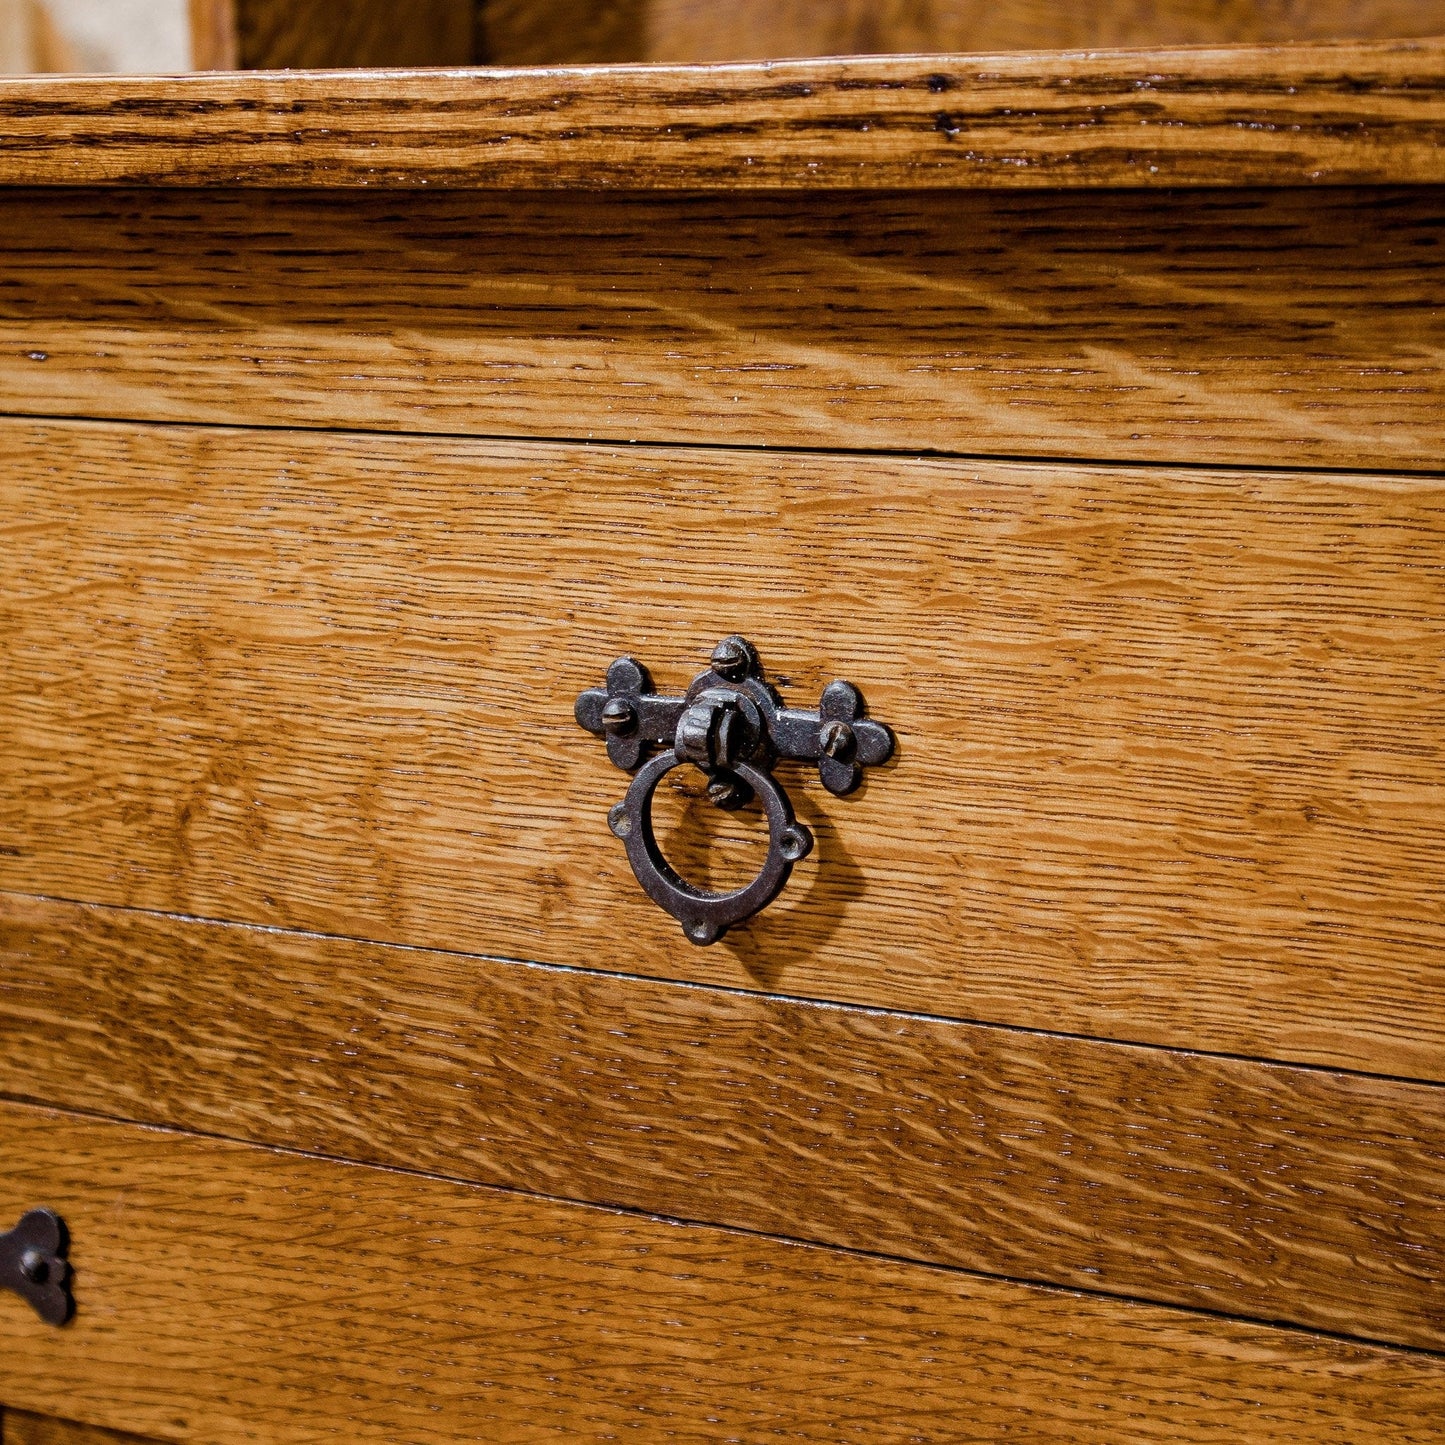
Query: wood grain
{"x":570,"y":32}
{"x":1169,"y":764}
{"x":1361,"y":113}
{"x":1235,"y":327}
{"x":1249,"y":1189}
{"x":23,"y":1428}
{"x":226,"y":1294}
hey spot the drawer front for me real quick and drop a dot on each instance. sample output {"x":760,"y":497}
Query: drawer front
{"x":229,"y":1293}
{"x":1235,"y":327}
{"x":1169,"y":764}
{"x":1225,"y":1184}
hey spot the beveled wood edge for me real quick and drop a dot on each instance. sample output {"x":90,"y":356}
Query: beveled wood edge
{"x":1340,"y":113}
{"x":711,"y":1105}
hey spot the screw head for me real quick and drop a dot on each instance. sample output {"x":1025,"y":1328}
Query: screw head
{"x":837,"y":740}
{"x":34,"y":1266}
{"x":732,"y":659}
{"x":620,"y":820}
{"x":728,"y":793}
{"x":619,"y":717}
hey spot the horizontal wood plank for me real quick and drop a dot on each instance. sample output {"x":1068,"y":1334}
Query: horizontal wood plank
{"x":1283,"y":1194}
{"x":1356,"y":113}
{"x":1169,"y":764}
{"x":226,"y":1293}
{"x":1234,"y":327}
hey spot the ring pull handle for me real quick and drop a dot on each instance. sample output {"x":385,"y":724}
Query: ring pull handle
{"x":733,"y":725}
{"x":32,"y":1263}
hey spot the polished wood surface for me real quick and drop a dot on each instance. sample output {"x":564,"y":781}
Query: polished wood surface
{"x":1168,"y":768}
{"x":1284,"y":1194}
{"x":227,"y":1294}
{"x":321,"y":34}
{"x":20,"y":1427}
{"x":1237,"y":327}
{"x":1359,"y":113}
{"x":1050,"y":1098}
{"x":558,"y":32}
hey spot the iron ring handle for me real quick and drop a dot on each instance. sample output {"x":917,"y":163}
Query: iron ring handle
{"x":705,"y":916}
{"x":733,"y":725}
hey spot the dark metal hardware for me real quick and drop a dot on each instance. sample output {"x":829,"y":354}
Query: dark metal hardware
{"x":32,"y":1263}
{"x":733,"y":726}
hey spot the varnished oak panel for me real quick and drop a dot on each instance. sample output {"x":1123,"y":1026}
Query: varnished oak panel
{"x":1247,"y":327}
{"x":1245,"y":1188}
{"x":1302,"y":115}
{"x":1169,"y":764}
{"x":20,"y":1427}
{"x":225,"y":1294}
{"x":560,"y":32}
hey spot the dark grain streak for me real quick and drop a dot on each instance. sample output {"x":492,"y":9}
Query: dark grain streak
{"x":1370,"y":112}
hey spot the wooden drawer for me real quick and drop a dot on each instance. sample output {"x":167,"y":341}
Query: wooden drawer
{"x":1168,"y":766}
{"x":1224,"y":1184}
{"x":233,"y":1293}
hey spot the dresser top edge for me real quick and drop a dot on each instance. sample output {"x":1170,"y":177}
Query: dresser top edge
{"x":1358,"y":113}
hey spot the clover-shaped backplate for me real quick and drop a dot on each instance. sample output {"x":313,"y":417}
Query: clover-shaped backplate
{"x":33,"y":1265}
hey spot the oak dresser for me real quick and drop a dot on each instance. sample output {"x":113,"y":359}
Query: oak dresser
{"x":1038,"y":1037}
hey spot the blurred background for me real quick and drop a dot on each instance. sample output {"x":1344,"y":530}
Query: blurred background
{"x":94,"y":35}
{"x":173,"y":35}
